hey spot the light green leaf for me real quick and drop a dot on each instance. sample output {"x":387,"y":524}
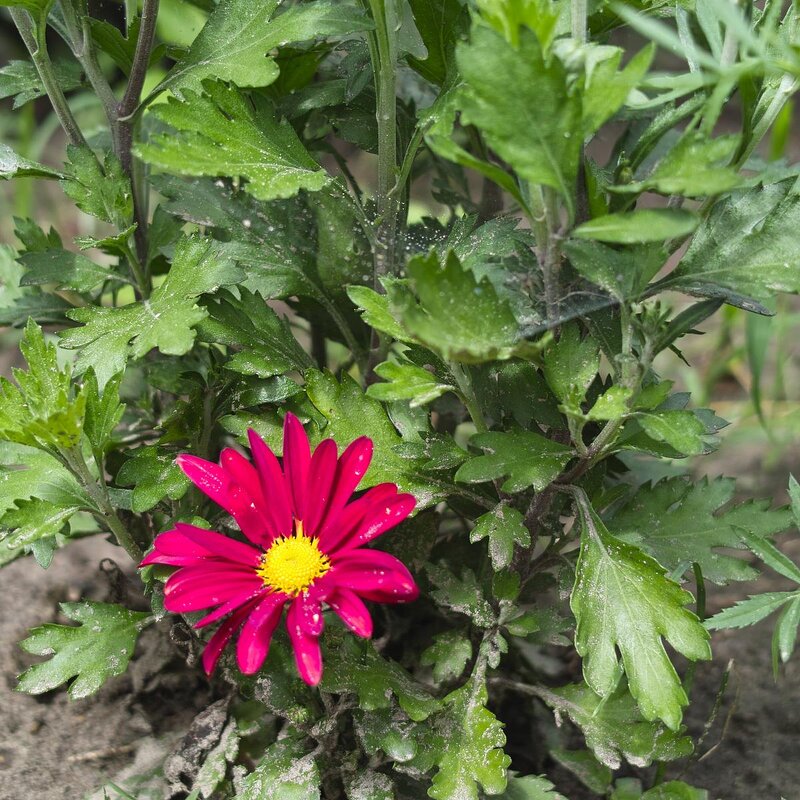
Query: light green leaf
{"x":109,"y":336}
{"x":473,"y":747}
{"x":571,"y":364}
{"x":523,"y":107}
{"x":531,"y":787}
{"x":612,"y":404}
{"x":263,"y":340}
{"x":97,"y":649}
{"x":614,"y":727}
{"x":745,"y":251}
{"x":623,"y":602}
{"x":448,"y":655}
{"x":527,"y":458}
{"x":635,"y":227}
{"x":286,"y":772}
{"x":407,"y":381}
{"x":786,"y":629}
{"x":35,"y":519}
{"x":504,"y":528}
{"x":675,"y":790}
{"x":750,"y":611}
{"x":15,"y":166}
{"x":678,"y":522}
{"x":375,"y":311}
{"x":218,"y":133}
{"x":680,"y":429}
{"x":235,"y":44}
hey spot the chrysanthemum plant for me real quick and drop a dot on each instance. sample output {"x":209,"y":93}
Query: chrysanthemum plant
{"x":383,"y":440}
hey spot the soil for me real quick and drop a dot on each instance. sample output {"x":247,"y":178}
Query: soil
{"x":52,"y":748}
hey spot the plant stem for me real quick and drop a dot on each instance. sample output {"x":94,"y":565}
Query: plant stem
{"x":579,"y":13}
{"x":384,"y":58}
{"x":44,"y":67}
{"x":468,"y":396}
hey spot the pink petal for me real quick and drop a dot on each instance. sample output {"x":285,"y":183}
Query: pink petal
{"x":307,"y":652}
{"x":296,"y":460}
{"x":196,"y":588}
{"x":215,"y":482}
{"x":198,"y":544}
{"x":230,"y":605}
{"x":216,"y":644}
{"x":375,"y":575}
{"x":309,"y":615}
{"x":390,"y":513}
{"x":254,"y":640}
{"x":350,"y":607}
{"x":351,"y":468}
{"x":277,"y":504}
{"x":340,"y":527}
{"x":320,"y":482}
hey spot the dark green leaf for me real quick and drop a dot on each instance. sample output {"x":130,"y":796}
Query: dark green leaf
{"x":448,"y":655}
{"x":286,"y":772}
{"x":15,"y":166}
{"x":154,"y":476}
{"x":586,"y":767}
{"x":504,"y":528}
{"x":20,"y":80}
{"x":63,"y":268}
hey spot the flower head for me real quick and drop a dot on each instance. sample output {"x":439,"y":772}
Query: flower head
{"x":306,"y":552}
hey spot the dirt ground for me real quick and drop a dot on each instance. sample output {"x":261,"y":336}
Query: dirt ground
{"x":52,"y":748}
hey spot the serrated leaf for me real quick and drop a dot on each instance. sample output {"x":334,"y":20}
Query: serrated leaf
{"x":463,"y":595}
{"x":65,"y":269}
{"x":103,"y":191}
{"x":640,"y":226}
{"x":375,"y":311}
{"x":770,"y":555}
{"x":744,"y":252}
{"x":235,"y":44}
{"x":750,"y":611}
{"x":15,"y":166}
{"x":522,"y":105}
{"x":350,"y":414}
{"x":92,"y":652}
{"x":20,"y":80}
{"x":407,"y":381}
{"x":154,"y":476}
{"x":525,"y":457}
{"x":473,"y":747}
{"x":614,"y":727}
{"x":263,"y":340}
{"x":504,"y":527}
{"x":531,"y":787}
{"x":35,"y":519}
{"x":109,"y":336}
{"x":285,"y":772}
{"x":448,"y":655}
{"x":612,"y":404}
{"x":571,"y":364}
{"x":458,"y":316}
{"x":679,"y":429}
{"x":103,"y":411}
{"x":218,"y":133}
{"x":678,"y":522}
{"x":675,"y":790}
{"x":623,"y":601}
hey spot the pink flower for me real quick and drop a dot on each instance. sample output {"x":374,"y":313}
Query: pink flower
{"x":308,"y":538}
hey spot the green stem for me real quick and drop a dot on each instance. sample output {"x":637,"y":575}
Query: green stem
{"x":578,"y":15}
{"x":41,"y":60}
{"x":468,"y":396}
{"x":384,"y":58}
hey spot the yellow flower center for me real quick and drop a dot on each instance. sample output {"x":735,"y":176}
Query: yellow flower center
{"x":293,"y":563}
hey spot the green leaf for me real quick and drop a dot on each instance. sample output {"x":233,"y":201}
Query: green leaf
{"x":38,"y":9}
{"x":585,"y":767}
{"x":473,"y":747}
{"x":635,"y":227}
{"x":463,"y":595}
{"x":15,"y":166}
{"x":745,"y":251}
{"x":407,"y":381}
{"x":679,"y":429}
{"x":614,"y":728}
{"x":101,"y":191}
{"x":458,"y":316}
{"x":376,"y":313}
{"x":350,"y":414}
{"x":264,"y":341}
{"x":523,"y":107}
{"x":286,"y":772}
{"x":526,"y":458}
{"x":531,"y":787}
{"x":235,"y":44}
{"x":694,"y":167}
{"x":358,"y":669}
{"x":679,"y":522}
{"x":20,"y":80}
{"x":65,"y":269}
{"x":103,"y":411}
{"x":571,"y":363}
{"x":215,"y":765}
{"x":612,"y":404}
{"x":36,"y":519}
{"x":675,"y":790}
{"x":92,"y":652}
{"x":154,"y":476}
{"x":786,"y":629}
{"x":217,"y":133}
{"x":504,"y":527}
{"x":623,"y":601}
{"x":166,"y":321}
{"x":750,"y":611}
{"x":441,"y":23}
{"x":448,"y":655}
{"x":368,"y":784}
{"x":794,"y":496}
{"x":770,"y":555}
